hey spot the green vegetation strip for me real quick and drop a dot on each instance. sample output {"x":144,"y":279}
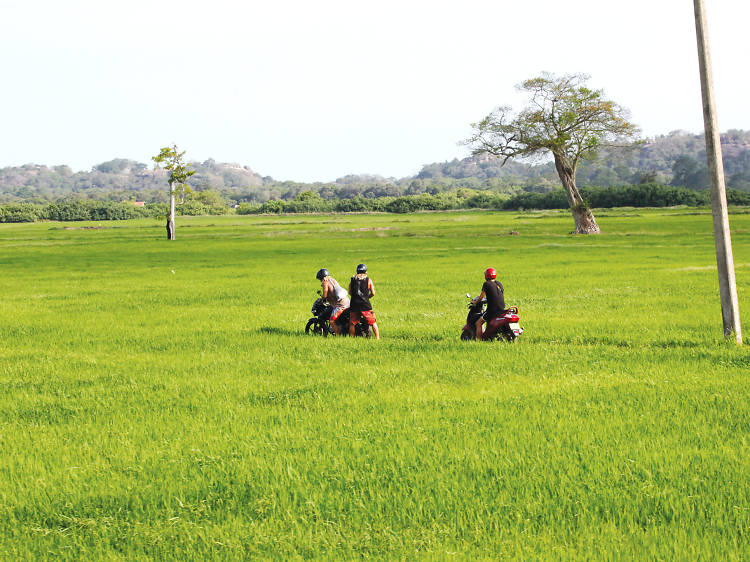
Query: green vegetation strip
{"x":159,"y":400}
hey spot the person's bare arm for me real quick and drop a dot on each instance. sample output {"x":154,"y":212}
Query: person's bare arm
{"x":370,"y":287}
{"x":479,"y":298}
{"x":325,"y":290}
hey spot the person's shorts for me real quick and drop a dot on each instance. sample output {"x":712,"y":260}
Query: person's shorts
{"x":367,"y":315}
{"x":336,"y":312}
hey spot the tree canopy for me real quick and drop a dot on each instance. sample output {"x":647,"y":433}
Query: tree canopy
{"x":564,"y":118}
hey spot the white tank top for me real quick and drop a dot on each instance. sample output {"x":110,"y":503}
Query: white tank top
{"x":339,"y":293}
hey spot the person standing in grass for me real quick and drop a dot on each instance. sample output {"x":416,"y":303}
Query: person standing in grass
{"x":335,"y":295}
{"x":362,"y":290}
{"x":493,"y":291}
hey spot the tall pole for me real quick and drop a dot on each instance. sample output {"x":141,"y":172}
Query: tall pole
{"x":730,"y":310}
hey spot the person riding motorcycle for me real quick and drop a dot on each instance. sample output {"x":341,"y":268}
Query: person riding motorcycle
{"x":335,"y":295}
{"x":492,"y":290}
{"x":362,"y":290}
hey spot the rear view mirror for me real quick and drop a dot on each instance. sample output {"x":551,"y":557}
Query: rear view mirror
{"x":468,"y":296}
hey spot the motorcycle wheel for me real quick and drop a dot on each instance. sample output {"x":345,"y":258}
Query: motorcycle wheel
{"x":315,"y":328}
{"x":466,"y":335}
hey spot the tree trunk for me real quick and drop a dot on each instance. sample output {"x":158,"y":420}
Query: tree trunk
{"x":582,"y":215}
{"x":171,"y":212}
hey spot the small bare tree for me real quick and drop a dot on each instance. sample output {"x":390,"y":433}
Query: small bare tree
{"x":171,"y":159}
{"x":564,"y":118}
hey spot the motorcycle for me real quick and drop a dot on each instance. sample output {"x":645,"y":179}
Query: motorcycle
{"x":505,"y":326}
{"x":320,"y":325}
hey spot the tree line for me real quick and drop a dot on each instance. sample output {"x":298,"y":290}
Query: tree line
{"x":642,"y":195}
{"x":676,"y":159}
{"x":84,"y":210}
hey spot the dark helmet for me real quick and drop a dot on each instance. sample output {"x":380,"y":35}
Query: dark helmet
{"x":490,"y":273}
{"x":361,"y":268}
{"x":321,"y":274}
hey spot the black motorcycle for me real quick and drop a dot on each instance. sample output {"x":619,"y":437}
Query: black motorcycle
{"x":320,"y":325}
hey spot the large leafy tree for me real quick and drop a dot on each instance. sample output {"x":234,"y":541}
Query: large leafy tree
{"x":564,"y":118}
{"x":171,"y":159}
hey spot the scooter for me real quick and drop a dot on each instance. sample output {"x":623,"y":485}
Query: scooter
{"x":320,"y":325}
{"x":505,"y":326}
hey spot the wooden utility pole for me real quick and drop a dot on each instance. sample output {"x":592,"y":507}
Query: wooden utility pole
{"x":730,"y":310}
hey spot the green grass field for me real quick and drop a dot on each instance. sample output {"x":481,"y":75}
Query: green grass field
{"x":159,"y":400}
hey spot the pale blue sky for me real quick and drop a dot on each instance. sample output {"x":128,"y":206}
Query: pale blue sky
{"x":311,"y":91}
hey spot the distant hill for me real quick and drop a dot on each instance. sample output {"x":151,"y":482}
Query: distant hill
{"x":118,"y":180}
{"x":667,"y":159}
{"x":677,"y":158}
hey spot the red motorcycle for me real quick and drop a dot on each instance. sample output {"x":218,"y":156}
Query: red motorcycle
{"x":505,"y":326}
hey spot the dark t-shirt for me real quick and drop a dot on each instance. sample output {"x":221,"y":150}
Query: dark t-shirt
{"x":495,"y":299}
{"x":360,"y":294}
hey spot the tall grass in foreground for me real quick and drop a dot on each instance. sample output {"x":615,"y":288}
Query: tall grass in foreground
{"x":160,"y":401}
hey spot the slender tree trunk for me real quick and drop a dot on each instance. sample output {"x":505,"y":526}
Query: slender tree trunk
{"x":582,"y":215}
{"x":171,"y":212}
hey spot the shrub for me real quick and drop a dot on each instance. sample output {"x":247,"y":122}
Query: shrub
{"x":115,"y":211}
{"x":192,"y":208}
{"x":737,"y":197}
{"x":272,"y":206}
{"x":68,"y":211}
{"x":399,"y":205}
{"x":248,"y":208}
{"x":482,"y":200}
{"x":21,"y":212}
{"x":642,"y":195}
{"x":353,"y":205}
{"x":552,"y":200}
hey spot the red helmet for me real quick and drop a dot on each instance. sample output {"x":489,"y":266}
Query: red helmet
{"x":490,"y":273}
